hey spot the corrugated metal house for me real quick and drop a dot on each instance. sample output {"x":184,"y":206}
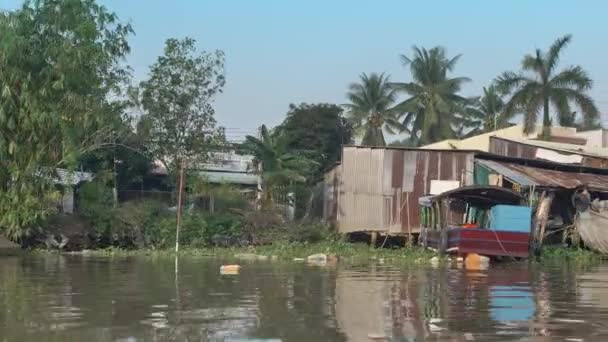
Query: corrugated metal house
{"x":377,"y":189}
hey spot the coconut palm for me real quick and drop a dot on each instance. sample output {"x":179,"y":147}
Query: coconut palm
{"x":433,"y":104}
{"x":539,"y":85}
{"x":274,"y":163}
{"x":487,"y":113}
{"x":369,"y":108}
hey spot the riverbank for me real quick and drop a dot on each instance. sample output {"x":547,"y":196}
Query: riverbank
{"x":286,"y":251}
{"x":342,"y":251}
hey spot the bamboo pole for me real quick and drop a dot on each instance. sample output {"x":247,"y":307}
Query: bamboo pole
{"x":179,"y":206}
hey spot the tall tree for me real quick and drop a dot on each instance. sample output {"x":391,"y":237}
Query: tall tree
{"x":540,"y":85}
{"x":433,"y":105}
{"x":60,"y":63}
{"x":177,"y":102}
{"x":276,"y":165}
{"x":487,"y":113}
{"x":318,"y":132}
{"x":369,"y":108}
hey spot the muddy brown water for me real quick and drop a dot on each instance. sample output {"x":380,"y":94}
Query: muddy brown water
{"x":76,"y":298}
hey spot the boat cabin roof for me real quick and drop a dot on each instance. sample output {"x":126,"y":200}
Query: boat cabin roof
{"x":477,"y":195}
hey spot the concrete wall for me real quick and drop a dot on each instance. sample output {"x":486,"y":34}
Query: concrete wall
{"x":481,"y":142}
{"x":595,"y":138}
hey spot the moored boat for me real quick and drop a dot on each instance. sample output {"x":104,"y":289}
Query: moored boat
{"x":485,"y":220}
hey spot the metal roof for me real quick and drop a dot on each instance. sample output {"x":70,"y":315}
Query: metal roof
{"x":482,"y":195}
{"x":534,"y":176}
{"x":66,"y":177}
{"x":219,"y":177}
{"x":589,"y":151}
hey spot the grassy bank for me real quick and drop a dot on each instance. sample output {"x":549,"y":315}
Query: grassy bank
{"x":554,"y":254}
{"x":346,"y":252}
{"x":287,"y":251}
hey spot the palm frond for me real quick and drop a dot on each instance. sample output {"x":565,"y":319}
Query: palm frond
{"x":528,"y":92}
{"x":573,"y":76}
{"x":508,"y":80}
{"x":555,"y":50}
{"x":532,"y":108}
{"x":534,"y":63}
{"x":562,"y":106}
{"x":583,"y":101}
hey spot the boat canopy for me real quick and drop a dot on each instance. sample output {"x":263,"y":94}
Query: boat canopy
{"x":481,"y":195}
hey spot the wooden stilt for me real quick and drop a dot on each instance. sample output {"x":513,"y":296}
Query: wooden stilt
{"x":374,"y":239}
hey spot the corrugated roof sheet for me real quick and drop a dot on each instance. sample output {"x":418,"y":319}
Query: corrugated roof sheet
{"x":507,"y":172}
{"x":67,"y":177}
{"x":598,"y":152}
{"x":242,"y":178}
{"x":534,"y":176}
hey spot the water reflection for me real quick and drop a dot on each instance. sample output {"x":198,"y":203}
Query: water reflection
{"x":58,"y":298}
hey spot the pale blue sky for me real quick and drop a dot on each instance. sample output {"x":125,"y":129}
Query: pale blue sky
{"x":280,"y":52}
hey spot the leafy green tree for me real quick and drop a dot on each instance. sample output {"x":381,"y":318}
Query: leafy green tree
{"x":177,"y":103}
{"x":125,"y":154}
{"x":60,"y":63}
{"x":487,"y":113}
{"x":369,"y":108}
{"x":275,"y":164}
{"x":540,"y":85}
{"x":433,"y":106}
{"x":318,"y":132}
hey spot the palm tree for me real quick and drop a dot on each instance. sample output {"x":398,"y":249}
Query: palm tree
{"x":540,"y":85}
{"x":487,"y":113}
{"x":433,"y":105}
{"x":369,"y":108}
{"x":274,"y":163}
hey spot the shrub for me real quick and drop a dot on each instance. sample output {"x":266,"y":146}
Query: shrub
{"x":309,"y":233}
{"x":134,"y":223}
{"x":95,"y":206}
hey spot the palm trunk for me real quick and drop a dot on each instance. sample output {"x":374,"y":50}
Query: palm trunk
{"x":374,"y":135}
{"x":546,"y":120}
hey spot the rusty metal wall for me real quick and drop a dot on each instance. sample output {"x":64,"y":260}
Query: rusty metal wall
{"x":516,"y":149}
{"x":379,"y":188}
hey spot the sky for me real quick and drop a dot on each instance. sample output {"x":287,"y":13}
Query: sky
{"x":280,"y":52}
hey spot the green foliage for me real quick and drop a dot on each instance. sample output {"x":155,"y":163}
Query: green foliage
{"x":560,"y":254}
{"x":226,"y":197}
{"x":434,"y":106}
{"x":316,"y":131}
{"x":223,"y":224}
{"x":369,"y":108}
{"x":488,"y":113}
{"x":178,"y":116}
{"x":276,"y":164}
{"x":540,"y":86}
{"x":149,"y":223}
{"x":406,"y":142}
{"x":96,"y":202}
{"x":60,"y":63}
{"x":310,"y":233}
{"x":126,"y":154}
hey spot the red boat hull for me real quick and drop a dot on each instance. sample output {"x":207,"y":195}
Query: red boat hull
{"x":483,"y":242}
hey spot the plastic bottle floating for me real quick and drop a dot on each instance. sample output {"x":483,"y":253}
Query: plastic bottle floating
{"x":230,"y":269}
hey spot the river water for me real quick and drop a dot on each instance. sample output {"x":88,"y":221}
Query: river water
{"x":77,"y":298}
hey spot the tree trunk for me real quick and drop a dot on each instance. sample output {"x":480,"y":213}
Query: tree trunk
{"x":374,"y":135}
{"x":540,"y":220}
{"x":546,"y":120}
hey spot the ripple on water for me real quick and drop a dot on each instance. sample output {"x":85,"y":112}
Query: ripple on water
{"x":140,"y":299}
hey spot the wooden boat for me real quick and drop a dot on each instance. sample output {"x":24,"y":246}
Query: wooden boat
{"x":466,"y":220}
